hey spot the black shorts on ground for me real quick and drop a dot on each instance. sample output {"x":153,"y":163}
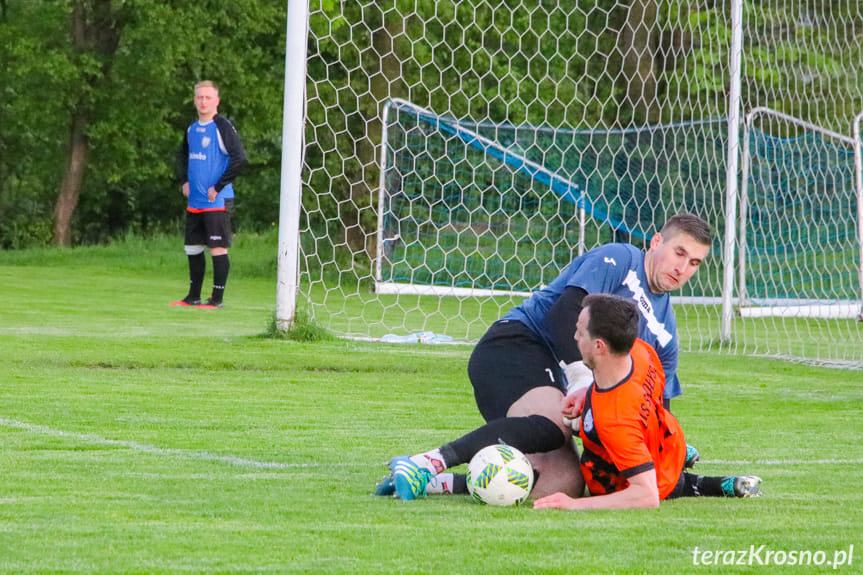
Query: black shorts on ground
{"x":509,"y":361}
{"x":211,"y":229}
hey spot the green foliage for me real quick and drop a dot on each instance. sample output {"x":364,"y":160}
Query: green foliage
{"x":35,"y":91}
{"x":139,"y":102}
{"x":805,"y":62}
{"x":551,"y":65}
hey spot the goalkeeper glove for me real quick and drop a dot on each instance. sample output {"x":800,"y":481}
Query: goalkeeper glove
{"x":577,"y":375}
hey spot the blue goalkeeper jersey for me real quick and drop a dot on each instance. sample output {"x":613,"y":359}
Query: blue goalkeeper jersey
{"x":613,"y":269}
{"x":207,"y":162}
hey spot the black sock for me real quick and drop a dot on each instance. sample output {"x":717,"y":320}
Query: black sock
{"x":197,"y":269}
{"x":702,"y":486}
{"x":459,"y":483}
{"x":531,"y":434}
{"x":221,"y":267}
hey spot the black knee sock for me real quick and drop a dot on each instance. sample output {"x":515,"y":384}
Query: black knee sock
{"x":702,"y":486}
{"x":197,"y":269}
{"x":221,"y":267}
{"x":459,"y":483}
{"x":531,"y":434}
{"x":711,"y":486}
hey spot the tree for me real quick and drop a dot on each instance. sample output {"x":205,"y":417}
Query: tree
{"x":638,"y":44}
{"x":95,"y":29}
{"x":97,"y":94}
{"x":33,"y":63}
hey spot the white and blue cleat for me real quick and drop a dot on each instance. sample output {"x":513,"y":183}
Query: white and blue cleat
{"x":742,"y":486}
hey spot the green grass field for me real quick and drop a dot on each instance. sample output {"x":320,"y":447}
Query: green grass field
{"x":141,"y":438}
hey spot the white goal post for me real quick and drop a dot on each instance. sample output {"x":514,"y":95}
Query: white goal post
{"x":858,"y":173}
{"x":805,"y":198}
{"x":486,"y":147}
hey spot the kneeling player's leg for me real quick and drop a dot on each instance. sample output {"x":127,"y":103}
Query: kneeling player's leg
{"x":558,"y":469}
{"x":692,"y":485}
{"x":529,"y":434}
{"x":518,"y":389}
{"x":423,"y":473}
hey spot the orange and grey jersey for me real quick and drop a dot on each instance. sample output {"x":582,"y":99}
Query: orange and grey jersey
{"x":626,"y":431}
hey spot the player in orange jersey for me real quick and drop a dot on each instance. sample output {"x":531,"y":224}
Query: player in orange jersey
{"x":634,"y":449}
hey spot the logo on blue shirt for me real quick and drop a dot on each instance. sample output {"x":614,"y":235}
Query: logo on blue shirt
{"x":663,"y":336}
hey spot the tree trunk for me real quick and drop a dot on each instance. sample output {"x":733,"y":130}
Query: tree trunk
{"x":73,"y":175}
{"x":638,"y":46}
{"x":96,"y":31}
{"x":360,"y":234}
{"x":76,"y":148}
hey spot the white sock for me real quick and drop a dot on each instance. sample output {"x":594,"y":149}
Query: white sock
{"x":431,"y":460}
{"x":441,"y":483}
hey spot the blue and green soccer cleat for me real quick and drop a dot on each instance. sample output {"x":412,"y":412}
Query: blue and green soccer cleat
{"x":386,"y":487}
{"x":410,"y":479}
{"x":692,"y":456}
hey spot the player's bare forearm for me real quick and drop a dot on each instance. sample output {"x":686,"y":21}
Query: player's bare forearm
{"x":642,"y":492}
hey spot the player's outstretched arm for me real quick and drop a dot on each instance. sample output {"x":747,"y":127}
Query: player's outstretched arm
{"x":641,"y":493}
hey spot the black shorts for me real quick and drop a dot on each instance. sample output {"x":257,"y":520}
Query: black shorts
{"x":509,"y":361}
{"x":211,"y":229}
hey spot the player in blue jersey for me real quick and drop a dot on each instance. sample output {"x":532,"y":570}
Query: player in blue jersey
{"x":211,"y":157}
{"x":526,"y":362}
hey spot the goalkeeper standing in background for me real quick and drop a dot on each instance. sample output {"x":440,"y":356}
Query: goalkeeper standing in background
{"x":211,"y":157}
{"x":526,"y":362}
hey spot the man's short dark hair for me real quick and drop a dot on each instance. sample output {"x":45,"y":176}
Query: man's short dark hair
{"x":689,"y":224}
{"x":614,"y":319}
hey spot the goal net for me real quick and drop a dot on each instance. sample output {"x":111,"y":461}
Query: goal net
{"x":459,"y":153}
{"x":477,"y":208}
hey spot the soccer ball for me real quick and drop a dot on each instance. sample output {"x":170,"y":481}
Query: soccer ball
{"x":499,"y":475}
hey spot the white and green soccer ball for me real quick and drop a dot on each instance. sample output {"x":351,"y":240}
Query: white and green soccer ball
{"x":499,"y":475}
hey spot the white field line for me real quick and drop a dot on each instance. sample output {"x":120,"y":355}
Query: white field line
{"x":243,"y":462}
{"x":151,"y":449}
{"x":781,"y":462}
